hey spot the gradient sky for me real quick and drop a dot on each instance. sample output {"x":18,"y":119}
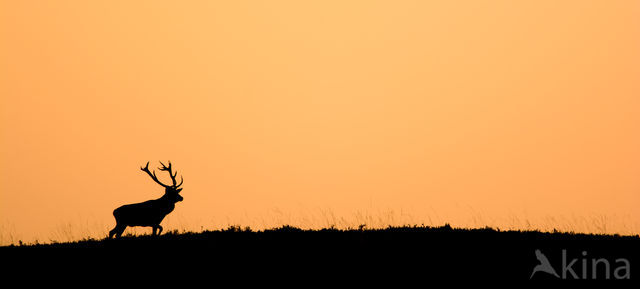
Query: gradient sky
{"x":501,"y":109}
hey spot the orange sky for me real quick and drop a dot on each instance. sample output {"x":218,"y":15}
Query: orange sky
{"x":451,"y":110}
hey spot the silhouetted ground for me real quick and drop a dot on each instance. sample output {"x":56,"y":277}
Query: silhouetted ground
{"x":410,"y":255}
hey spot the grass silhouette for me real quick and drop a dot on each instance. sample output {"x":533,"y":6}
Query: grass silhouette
{"x":411,"y":251}
{"x":87,"y":227}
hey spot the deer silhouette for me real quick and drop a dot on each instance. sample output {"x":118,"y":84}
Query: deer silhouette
{"x":152,"y":212}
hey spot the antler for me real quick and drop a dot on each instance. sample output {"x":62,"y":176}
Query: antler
{"x":153,"y":175}
{"x":173,"y":175}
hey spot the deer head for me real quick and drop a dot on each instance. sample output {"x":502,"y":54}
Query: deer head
{"x":172,"y":192}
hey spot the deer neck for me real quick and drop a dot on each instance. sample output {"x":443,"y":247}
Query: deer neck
{"x":165,"y":200}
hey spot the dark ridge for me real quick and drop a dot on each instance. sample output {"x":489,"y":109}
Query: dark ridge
{"x":412,"y":253}
{"x":234,"y":232}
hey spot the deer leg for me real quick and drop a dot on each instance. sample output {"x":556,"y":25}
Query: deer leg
{"x":158,"y":228}
{"x":115,"y":231}
{"x":118,"y":230}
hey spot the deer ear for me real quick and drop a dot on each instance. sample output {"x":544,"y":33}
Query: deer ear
{"x":178,"y":190}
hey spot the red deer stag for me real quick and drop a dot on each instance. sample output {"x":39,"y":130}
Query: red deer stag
{"x":149,"y":213}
